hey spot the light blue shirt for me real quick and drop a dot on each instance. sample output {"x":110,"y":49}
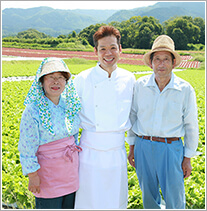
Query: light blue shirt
{"x":32,"y":133}
{"x":170,"y":113}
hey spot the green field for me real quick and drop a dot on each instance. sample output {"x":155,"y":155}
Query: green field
{"x":75,"y":65}
{"x":14,"y":184}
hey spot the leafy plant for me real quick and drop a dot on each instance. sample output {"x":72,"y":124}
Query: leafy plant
{"x":14,"y":184}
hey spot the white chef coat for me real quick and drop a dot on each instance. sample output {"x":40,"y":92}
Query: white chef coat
{"x":106,"y":101}
{"x":106,"y":104}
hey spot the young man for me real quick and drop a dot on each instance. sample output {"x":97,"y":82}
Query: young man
{"x":106,"y":93}
{"x":163,"y":110}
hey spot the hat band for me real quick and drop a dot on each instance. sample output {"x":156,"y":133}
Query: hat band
{"x":162,"y":48}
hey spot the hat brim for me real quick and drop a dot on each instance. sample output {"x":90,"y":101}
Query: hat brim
{"x":54,"y":66}
{"x":147,"y":61}
{"x":55,"y":71}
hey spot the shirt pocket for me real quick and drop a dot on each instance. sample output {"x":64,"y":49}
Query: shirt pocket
{"x":145,"y":110}
{"x":175,"y":113}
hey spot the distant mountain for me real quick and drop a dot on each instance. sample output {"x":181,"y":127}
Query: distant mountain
{"x":55,"y":21}
{"x":50,"y":21}
{"x":162,"y":11}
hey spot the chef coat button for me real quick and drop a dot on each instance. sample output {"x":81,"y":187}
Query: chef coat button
{"x":96,"y":106}
{"x":95,"y":86}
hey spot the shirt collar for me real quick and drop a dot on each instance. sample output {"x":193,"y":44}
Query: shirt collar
{"x":173,"y":84}
{"x":99,"y":74}
{"x":61,"y":102}
{"x":151,"y":80}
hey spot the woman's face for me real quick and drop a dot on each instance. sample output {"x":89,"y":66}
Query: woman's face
{"x":54,"y":85}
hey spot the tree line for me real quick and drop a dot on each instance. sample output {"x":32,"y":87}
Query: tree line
{"x":136,"y":33}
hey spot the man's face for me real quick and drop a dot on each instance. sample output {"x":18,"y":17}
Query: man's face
{"x":108,"y":52}
{"x":162,"y":64}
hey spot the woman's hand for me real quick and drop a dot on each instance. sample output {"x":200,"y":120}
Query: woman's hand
{"x":34,"y":182}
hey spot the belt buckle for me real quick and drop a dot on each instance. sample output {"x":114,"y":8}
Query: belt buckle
{"x":150,"y":138}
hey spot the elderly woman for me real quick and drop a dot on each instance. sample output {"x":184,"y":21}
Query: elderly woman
{"x":48,"y":129}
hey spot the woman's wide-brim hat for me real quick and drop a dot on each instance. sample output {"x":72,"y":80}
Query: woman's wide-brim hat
{"x":162,"y":43}
{"x":55,"y":65}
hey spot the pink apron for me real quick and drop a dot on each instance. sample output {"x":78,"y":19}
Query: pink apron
{"x":58,"y":168}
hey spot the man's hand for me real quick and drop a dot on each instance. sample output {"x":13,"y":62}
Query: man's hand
{"x":34,"y":182}
{"x":131,"y":156}
{"x":186,"y":166}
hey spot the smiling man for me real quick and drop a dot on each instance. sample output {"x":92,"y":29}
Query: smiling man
{"x":105,"y":92}
{"x":163,"y":110}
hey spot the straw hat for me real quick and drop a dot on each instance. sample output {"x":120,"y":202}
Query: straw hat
{"x":163,"y":43}
{"x":52,"y":66}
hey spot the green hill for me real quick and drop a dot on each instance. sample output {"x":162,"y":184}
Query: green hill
{"x":162,"y":11}
{"x":54,"y":22}
{"x":50,"y":21}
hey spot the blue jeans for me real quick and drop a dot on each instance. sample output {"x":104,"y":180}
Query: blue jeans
{"x":159,"y":165}
{"x":62,"y":202}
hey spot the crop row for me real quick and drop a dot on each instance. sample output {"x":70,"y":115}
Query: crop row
{"x":14,"y":184}
{"x":190,"y":64}
{"x":133,"y":59}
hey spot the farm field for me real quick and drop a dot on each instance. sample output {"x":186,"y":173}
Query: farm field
{"x":14,"y":184}
{"x":133,"y":59}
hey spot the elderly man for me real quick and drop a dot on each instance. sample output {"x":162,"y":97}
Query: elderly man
{"x":163,"y":110}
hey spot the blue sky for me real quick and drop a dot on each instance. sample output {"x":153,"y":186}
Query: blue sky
{"x":117,"y":5}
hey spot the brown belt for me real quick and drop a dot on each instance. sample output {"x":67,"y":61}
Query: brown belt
{"x":152,"y":138}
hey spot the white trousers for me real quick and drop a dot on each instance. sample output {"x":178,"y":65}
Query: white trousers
{"x":102,"y":172}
